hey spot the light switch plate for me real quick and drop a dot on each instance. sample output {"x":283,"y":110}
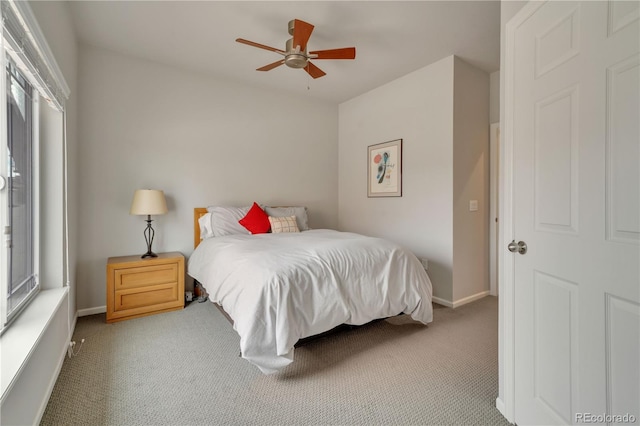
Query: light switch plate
{"x":473,"y":205}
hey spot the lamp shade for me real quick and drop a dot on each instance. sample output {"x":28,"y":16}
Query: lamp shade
{"x":148,"y":202}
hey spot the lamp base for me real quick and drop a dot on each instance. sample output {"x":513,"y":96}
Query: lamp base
{"x":149,"y":233}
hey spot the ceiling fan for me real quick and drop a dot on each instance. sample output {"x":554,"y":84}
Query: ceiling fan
{"x":296,"y":55}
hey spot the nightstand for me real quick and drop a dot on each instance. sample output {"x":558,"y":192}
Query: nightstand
{"x":138,"y":287}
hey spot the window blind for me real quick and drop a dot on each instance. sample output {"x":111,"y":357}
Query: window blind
{"x":29,"y":49}
{"x":21,"y":192}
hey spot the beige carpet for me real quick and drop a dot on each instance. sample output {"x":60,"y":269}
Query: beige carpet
{"x":182,"y":368}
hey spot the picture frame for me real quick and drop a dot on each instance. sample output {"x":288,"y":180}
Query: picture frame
{"x":384,"y":169}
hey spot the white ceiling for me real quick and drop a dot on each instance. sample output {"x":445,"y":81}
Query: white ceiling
{"x":392,"y":38}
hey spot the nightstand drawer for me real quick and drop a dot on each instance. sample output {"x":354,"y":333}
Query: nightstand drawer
{"x":137,"y":287}
{"x":145,"y":276}
{"x":147,"y":296}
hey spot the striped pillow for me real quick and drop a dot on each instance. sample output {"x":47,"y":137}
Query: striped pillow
{"x":283,"y":224}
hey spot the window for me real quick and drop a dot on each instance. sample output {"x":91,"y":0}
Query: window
{"x":28,"y":74}
{"x":19,"y":195}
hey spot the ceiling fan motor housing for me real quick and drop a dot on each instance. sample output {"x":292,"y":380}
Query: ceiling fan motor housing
{"x":296,"y":56}
{"x":294,"y":59}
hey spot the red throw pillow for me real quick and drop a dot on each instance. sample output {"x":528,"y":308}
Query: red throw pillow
{"x":256,"y":220}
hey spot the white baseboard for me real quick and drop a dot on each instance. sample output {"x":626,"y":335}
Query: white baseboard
{"x":92,"y":311}
{"x":470,"y":299}
{"x":501,"y":408}
{"x":442,"y":302}
{"x":462,"y":301}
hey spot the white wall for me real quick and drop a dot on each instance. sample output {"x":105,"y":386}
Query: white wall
{"x":470,"y":181}
{"x":203,"y":141}
{"x":51,"y":197}
{"x":419,"y":109}
{"x":494,"y":97}
{"x":442,"y":114}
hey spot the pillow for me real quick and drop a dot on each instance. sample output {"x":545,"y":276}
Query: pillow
{"x":256,"y":220}
{"x":206,"y":230}
{"x":283,"y":224}
{"x":299,"y":212}
{"x":224,"y":220}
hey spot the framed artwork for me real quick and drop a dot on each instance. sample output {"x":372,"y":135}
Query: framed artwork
{"x":384,"y":170}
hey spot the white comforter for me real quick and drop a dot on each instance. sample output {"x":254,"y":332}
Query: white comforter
{"x":279,"y":288}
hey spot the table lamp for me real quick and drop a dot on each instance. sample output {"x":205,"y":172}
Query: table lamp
{"x":148,"y":202}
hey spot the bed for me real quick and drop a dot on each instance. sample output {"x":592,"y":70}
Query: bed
{"x":279,"y":288}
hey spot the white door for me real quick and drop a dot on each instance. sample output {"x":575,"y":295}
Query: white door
{"x":576,"y":197}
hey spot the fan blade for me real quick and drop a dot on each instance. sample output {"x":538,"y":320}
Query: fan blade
{"x":314,"y":71}
{"x":261,"y":46}
{"x":301,"y":33}
{"x":271,"y":66}
{"x":344,"y":53}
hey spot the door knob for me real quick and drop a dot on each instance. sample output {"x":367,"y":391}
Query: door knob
{"x":520,"y":247}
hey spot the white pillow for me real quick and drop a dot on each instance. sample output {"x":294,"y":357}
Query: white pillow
{"x":283,"y":224}
{"x":224,"y":220}
{"x":299,"y":212}
{"x":206,"y":229}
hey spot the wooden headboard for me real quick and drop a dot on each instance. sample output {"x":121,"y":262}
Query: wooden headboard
{"x":198,"y":212}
